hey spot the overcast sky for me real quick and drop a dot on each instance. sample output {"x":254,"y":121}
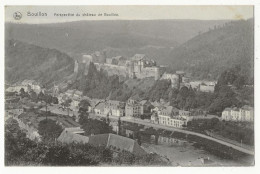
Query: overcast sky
{"x":128,"y":13}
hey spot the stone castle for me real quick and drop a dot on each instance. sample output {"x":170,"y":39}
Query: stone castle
{"x":139,"y":66}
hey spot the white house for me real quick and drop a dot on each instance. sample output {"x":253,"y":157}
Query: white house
{"x":244,"y":114}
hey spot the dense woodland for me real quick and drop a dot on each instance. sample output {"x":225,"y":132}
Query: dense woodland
{"x":27,"y":61}
{"x":222,"y":47}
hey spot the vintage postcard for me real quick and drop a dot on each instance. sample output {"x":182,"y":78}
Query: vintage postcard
{"x":129,"y":86}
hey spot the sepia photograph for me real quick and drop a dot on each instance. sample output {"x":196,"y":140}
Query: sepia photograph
{"x":115,"y":86}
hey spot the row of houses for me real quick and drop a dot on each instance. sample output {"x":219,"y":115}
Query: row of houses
{"x":243,"y":114}
{"x":170,"y":116}
{"x":167,"y":115}
{"x":132,"y":108}
{"x":27,"y":85}
{"x":159,"y":112}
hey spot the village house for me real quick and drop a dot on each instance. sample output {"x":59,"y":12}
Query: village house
{"x":146,"y":107}
{"x":159,"y":105}
{"x":244,"y":114}
{"x":203,"y":86}
{"x":115,"y":108}
{"x":207,"y":87}
{"x":69,"y":93}
{"x":133,"y":108}
{"x":167,"y":138}
{"x":172,"y":121}
{"x":93,"y":103}
{"x":185,"y":114}
{"x":194,"y":114}
{"x":169,"y":116}
{"x":99,"y":108}
{"x":155,"y":118}
{"x":169,"y":111}
{"x":62,"y":97}
{"x":16,"y":88}
{"x":33,"y":85}
{"x":76,"y":98}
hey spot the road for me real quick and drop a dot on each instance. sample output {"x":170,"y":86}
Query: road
{"x":139,"y":121}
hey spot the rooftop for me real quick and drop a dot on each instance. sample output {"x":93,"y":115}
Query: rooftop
{"x":117,"y":142}
{"x":138,"y":56}
{"x":70,"y":137}
{"x":246,"y":107}
{"x":100,"y":106}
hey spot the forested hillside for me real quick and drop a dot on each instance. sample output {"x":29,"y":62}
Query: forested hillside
{"x":26,"y":61}
{"x":153,"y":37}
{"x":232,"y":89}
{"x":204,"y":48}
{"x":209,"y":54}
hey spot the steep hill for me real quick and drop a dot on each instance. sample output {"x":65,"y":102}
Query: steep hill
{"x":26,"y":61}
{"x":128,"y":36}
{"x":210,"y":53}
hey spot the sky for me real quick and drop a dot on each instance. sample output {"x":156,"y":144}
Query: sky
{"x":126,"y":13}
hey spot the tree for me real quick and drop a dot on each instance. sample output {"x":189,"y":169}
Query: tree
{"x":48,"y":100}
{"x":33,"y":96}
{"x":66,"y":105}
{"x":55,"y":100}
{"x":107,"y":119}
{"x":41,"y":96}
{"x":239,"y":82}
{"x":93,"y":126}
{"x":83,"y":110}
{"x":84,"y":106}
{"x":49,"y":130}
{"x":22,"y":92}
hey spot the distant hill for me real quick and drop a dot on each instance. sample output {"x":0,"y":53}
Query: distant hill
{"x":75,"y":38}
{"x":209,"y":54}
{"x":204,"y":48}
{"x":26,"y":61}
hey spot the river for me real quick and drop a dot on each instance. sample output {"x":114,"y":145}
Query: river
{"x":183,"y":152}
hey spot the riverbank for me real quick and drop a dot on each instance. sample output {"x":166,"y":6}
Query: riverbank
{"x":189,"y":155}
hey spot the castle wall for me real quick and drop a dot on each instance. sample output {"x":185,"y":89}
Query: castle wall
{"x":133,"y":69}
{"x":148,"y":72}
{"x":113,"y":69}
